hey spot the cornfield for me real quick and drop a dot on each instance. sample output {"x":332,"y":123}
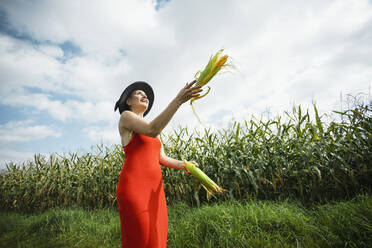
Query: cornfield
{"x":301,"y":157}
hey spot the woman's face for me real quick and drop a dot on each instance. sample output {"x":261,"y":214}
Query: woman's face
{"x":138,"y":100}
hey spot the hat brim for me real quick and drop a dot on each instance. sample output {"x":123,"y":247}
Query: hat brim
{"x":139,"y":85}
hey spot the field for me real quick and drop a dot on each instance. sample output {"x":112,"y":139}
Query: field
{"x":297,"y":180}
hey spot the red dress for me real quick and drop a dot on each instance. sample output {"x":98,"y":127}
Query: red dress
{"x":140,"y":194}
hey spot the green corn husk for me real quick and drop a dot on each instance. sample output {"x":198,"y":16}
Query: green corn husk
{"x":203,"y":77}
{"x":207,"y":183}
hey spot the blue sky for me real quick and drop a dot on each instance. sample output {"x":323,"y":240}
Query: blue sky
{"x":63,"y":64}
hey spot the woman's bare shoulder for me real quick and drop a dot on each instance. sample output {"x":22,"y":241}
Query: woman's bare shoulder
{"x":127,"y":115}
{"x":123,"y":117}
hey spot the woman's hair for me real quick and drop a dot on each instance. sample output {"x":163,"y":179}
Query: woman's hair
{"x":123,"y":106}
{"x":129,"y":97}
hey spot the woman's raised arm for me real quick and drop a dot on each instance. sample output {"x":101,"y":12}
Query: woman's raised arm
{"x":133,"y":122}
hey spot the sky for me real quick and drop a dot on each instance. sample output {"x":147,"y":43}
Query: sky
{"x":64,"y":64}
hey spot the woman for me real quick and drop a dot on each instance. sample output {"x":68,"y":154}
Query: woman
{"x":140,"y":194}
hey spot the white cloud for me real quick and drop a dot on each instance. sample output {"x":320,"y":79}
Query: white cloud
{"x":22,"y":131}
{"x":86,"y":111}
{"x":284,"y":51}
{"x":107,"y":134}
{"x":91,"y":112}
{"x":98,"y":27}
{"x":293,"y":53}
{"x":22,"y":98}
{"x":287,"y":52}
{"x":23,"y":64}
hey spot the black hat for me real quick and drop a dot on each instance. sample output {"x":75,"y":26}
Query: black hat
{"x":139,"y":85}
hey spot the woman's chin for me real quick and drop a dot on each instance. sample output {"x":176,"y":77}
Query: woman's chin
{"x":144,"y":107}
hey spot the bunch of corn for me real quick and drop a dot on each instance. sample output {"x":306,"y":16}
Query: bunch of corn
{"x":203,"y":77}
{"x":207,"y":183}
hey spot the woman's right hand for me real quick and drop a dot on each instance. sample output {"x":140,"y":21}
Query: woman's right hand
{"x":188,"y":92}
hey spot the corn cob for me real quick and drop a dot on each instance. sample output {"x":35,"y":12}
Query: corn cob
{"x":207,"y":183}
{"x":202,"y":78}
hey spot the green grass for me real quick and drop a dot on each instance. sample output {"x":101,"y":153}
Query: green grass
{"x":60,"y":228}
{"x":228,"y":224}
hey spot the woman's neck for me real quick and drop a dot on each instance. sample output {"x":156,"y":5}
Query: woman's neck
{"x":139,"y":113}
